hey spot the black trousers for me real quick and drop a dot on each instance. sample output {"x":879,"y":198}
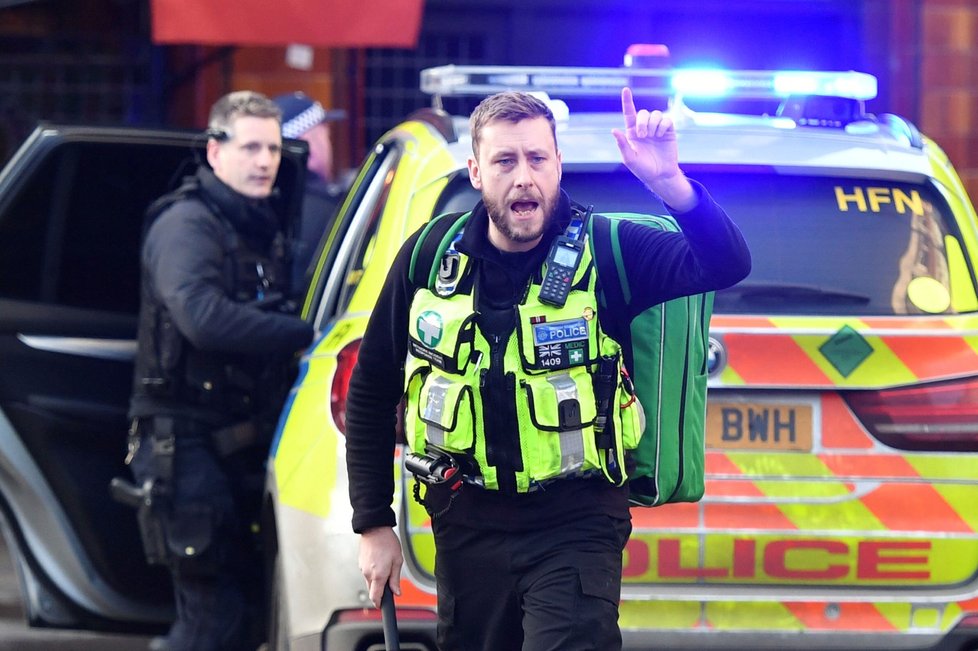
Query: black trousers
{"x":217,"y":590}
{"x":553,"y":589}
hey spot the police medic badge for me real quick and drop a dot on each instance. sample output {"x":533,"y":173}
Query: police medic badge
{"x":560,"y":344}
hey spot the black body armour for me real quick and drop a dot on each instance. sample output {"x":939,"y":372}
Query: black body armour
{"x":172,"y":377}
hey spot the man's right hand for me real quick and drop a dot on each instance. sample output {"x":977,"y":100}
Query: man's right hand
{"x":380,"y":561}
{"x":649,"y":149}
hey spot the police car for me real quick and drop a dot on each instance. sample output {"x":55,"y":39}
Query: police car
{"x":842,"y":445}
{"x":842,"y":425}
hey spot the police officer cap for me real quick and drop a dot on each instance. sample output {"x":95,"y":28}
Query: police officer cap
{"x":301,"y":113}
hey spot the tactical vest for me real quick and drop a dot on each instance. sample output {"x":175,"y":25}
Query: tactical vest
{"x":168,"y":367}
{"x":555,"y":355}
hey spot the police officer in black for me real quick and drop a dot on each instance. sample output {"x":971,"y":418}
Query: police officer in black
{"x":215,"y":349}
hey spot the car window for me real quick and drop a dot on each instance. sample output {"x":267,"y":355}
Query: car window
{"x":71,"y":235}
{"x":365,"y":240}
{"x":820,"y":244}
{"x":838,"y":245}
{"x":357,"y":234}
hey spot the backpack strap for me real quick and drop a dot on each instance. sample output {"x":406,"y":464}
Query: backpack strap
{"x":606,"y":253}
{"x":432,"y":243}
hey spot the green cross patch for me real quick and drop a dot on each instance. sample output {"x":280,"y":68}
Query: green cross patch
{"x":429,"y":327}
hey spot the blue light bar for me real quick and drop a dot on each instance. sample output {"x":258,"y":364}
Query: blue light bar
{"x":483,"y":80}
{"x":761,"y":84}
{"x":598,"y":82}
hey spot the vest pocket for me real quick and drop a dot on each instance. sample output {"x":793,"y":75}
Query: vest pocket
{"x":444,"y":414}
{"x":560,"y":408}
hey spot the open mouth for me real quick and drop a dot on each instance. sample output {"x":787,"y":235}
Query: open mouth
{"x":524,"y":208}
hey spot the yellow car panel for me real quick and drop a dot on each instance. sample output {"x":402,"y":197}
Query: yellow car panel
{"x":308,"y":450}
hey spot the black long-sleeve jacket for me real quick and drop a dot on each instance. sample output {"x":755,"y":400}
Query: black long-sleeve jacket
{"x":209,"y":261}
{"x":709,"y":254}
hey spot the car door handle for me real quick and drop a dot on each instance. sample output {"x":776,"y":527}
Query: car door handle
{"x":121,"y":350}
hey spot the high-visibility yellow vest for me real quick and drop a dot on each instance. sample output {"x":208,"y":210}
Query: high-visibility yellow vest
{"x":552,"y":354}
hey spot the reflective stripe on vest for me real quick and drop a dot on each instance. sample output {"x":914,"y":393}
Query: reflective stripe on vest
{"x":571,"y":441}
{"x":434,"y":410}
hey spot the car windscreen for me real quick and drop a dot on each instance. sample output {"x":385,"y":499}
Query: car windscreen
{"x":820,"y":244}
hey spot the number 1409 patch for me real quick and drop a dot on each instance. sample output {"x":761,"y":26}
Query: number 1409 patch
{"x":561,"y":344}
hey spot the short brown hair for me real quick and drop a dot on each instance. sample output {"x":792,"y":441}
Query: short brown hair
{"x":241,"y":103}
{"x":512,"y":106}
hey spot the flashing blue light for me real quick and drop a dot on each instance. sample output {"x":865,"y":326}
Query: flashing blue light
{"x":772,"y":84}
{"x":794,"y":83}
{"x":853,"y":85}
{"x":856,"y":85}
{"x":702,"y":83}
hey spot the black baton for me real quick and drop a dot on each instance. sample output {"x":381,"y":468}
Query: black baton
{"x":391,"y":639}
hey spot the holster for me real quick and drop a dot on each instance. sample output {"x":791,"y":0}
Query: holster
{"x":152,"y":505}
{"x":178,"y":535}
{"x":149,"y":517}
{"x":152,"y":499}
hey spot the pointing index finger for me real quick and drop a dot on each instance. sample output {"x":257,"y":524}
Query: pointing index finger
{"x":628,"y":108}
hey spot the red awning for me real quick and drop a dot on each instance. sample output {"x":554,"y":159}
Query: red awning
{"x":319,"y":23}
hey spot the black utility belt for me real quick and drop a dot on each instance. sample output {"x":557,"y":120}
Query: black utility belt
{"x":226,"y":439}
{"x":174,"y":425}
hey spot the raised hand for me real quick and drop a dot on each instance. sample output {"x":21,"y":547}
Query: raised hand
{"x":649,"y":149}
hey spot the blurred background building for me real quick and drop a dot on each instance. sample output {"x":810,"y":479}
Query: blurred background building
{"x":99,"y":61}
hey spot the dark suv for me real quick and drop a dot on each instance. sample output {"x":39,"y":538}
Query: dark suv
{"x":71,"y":206}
